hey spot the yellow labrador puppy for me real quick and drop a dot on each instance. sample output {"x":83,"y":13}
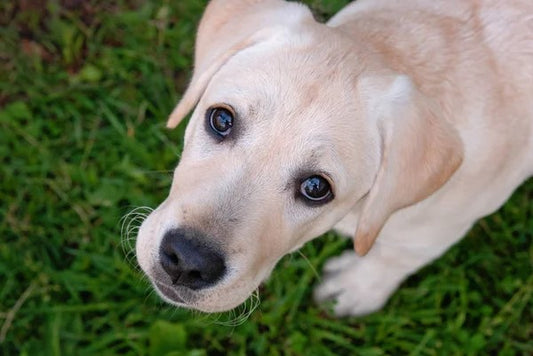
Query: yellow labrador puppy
{"x":398,"y":122}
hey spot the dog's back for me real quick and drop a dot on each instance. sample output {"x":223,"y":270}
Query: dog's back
{"x":434,"y":36}
{"x":474,"y":57}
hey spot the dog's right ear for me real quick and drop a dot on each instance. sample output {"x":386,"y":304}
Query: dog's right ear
{"x":420,"y":152}
{"x":227,"y":27}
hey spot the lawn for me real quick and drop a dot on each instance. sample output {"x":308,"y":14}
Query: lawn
{"x":85,"y":89}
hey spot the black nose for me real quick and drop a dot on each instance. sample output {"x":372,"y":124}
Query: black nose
{"x":188,"y":261}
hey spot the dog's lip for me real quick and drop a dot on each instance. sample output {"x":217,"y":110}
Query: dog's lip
{"x":169,"y":292}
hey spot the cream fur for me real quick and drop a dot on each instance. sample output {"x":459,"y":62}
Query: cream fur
{"x":419,"y":111}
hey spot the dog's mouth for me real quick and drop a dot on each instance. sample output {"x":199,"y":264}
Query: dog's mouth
{"x":170,"y":293}
{"x":185,"y":297}
{"x":177,"y":295}
{"x":219,"y":297}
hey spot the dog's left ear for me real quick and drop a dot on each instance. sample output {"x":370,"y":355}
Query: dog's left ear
{"x":228,"y":27}
{"x":420,"y":151}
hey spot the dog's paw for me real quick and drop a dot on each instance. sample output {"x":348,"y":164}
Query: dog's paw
{"x":357,"y":285}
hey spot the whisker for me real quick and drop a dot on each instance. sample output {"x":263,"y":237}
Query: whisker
{"x":313,"y":269}
{"x":130,"y":224}
{"x":242,"y":313}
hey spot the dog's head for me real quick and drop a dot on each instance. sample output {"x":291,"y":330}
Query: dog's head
{"x":292,"y":130}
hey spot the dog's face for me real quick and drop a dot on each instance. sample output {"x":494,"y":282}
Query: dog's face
{"x":279,"y":148}
{"x":275,"y":153}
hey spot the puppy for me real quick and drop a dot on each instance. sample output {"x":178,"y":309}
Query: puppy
{"x":398,"y":123}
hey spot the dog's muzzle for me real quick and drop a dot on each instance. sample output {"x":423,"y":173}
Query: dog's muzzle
{"x":189,"y":261}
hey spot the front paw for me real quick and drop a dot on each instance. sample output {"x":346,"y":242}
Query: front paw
{"x":357,"y":285}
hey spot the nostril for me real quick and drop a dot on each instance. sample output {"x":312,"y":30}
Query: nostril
{"x":171,"y":265}
{"x":194,"y":280}
{"x":196,"y":275}
{"x":174,"y":259}
{"x":187,"y":262}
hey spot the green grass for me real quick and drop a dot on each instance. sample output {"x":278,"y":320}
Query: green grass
{"x":85,"y":88}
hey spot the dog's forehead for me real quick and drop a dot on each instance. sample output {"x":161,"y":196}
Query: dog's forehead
{"x":296,"y":87}
{"x":285,"y":70}
{"x":290,"y":103}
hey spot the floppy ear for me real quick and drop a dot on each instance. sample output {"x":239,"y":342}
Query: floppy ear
{"x":227,"y":27}
{"x":420,"y":152}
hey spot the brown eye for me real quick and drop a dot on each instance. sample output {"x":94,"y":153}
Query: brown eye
{"x":221,"y":121}
{"x":316,"y":189}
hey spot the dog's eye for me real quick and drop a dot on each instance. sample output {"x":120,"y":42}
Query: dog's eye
{"x":220,"y":121}
{"x":316,"y":189}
